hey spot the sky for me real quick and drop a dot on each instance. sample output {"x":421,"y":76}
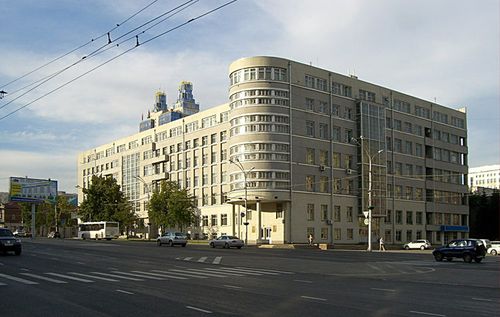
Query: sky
{"x":446,"y":50}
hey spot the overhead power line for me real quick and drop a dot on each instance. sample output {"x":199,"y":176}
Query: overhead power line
{"x":119,"y":55}
{"x":79,"y":47}
{"x":101,"y":49}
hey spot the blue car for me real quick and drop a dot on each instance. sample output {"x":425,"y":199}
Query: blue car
{"x":466,"y":249}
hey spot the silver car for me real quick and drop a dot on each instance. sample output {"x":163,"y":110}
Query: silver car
{"x":226,"y":242}
{"x":172,"y":238}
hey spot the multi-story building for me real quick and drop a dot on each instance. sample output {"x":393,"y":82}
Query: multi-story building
{"x":298,"y":150}
{"x":486,"y":176}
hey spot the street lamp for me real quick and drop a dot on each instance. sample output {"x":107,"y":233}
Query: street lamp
{"x":370,"y":203}
{"x":240,"y":166}
{"x":83,"y":194}
{"x":2,"y":94}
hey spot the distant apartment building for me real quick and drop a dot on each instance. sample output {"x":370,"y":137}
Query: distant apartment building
{"x":297,"y":150}
{"x":484,"y":177}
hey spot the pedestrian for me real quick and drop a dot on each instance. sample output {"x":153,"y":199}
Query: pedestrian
{"x":381,"y":244}
{"x":310,"y":238}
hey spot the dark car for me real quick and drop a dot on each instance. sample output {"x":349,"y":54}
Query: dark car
{"x":467,"y":249}
{"x":8,"y":242}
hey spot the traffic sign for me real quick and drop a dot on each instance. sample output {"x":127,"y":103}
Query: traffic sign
{"x":367,"y":221}
{"x":366,"y":213}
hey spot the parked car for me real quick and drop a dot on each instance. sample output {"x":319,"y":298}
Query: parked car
{"x":172,"y":238}
{"x":54,"y":234}
{"x":467,"y":249}
{"x":486,"y":242}
{"x":494,"y":249}
{"x":417,"y":244}
{"x":8,"y":242}
{"x":19,"y":233}
{"x":226,"y":242}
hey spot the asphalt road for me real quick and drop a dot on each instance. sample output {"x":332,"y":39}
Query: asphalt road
{"x":125,"y":278}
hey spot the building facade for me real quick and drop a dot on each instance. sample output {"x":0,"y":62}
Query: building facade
{"x":299,"y":150}
{"x":484,"y":177}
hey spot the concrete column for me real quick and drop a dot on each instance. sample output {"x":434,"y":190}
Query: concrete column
{"x":233,"y":220}
{"x":259,"y":221}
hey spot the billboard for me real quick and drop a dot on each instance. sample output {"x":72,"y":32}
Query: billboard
{"x":24,"y":189}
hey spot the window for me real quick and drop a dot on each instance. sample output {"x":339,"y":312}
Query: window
{"x":310,"y":186}
{"x":409,"y":217}
{"x":323,"y":184}
{"x":324,"y":212}
{"x":409,"y":193}
{"x":350,"y":234}
{"x":323,"y":131}
{"x":214,"y":220}
{"x":408,"y":147}
{"x":310,"y":153}
{"x":213,"y":138}
{"x":399,"y":217}
{"x":388,"y":217}
{"x":323,"y":157}
{"x":336,"y":213}
{"x":310,"y":104}
{"x":337,"y":185}
{"x":324,"y":233}
{"x":310,"y":212}
{"x":204,"y":221}
{"x":336,"y":160}
{"x":409,"y":235}
{"x":349,"y":216}
{"x":419,"y":150}
{"x":337,"y":234}
{"x":336,"y":134}
{"x":398,"y":235}
{"x":348,"y":161}
{"x":310,"y":128}
{"x":223,"y":220}
{"x":348,"y":135}
{"x":418,"y":218}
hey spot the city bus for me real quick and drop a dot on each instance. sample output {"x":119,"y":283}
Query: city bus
{"x":99,"y":230}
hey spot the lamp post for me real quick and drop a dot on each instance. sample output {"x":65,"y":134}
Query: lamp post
{"x":240,"y":166}
{"x":83,"y":194}
{"x":2,"y":93}
{"x":370,"y":203}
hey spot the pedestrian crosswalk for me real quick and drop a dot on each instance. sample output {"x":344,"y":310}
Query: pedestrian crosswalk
{"x":116,"y":276}
{"x":203,"y":259}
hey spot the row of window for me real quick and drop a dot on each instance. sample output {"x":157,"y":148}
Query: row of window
{"x":259,"y":101}
{"x":258,"y":118}
{"x":448,"y":137}
{"x":323,"y":158}
{"x":259,"y":147}
{"x":324,"y":132}
{"x":258,"y":92}
{"x":258,"y":73}
{"x":325,"y":215}
{"x":339,"y":185}
{"x":259,"y":128}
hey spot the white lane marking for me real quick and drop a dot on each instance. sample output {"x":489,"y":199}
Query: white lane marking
{"x":253,"y":271}
{"x":199,"y":309}
{"x":217,"y":260}
{"x":222,"y":271}
{"x":232,"y":286}
{"x":264,"y":270}
{"x":80,"y":263}
{"x":112,"y":268}
{"x":302,"y":281}
{"x":55,"y":259}
{"x":92,"y":276}
{"x":25,"y":269}
{"x":383,"y":289}
{"x":314,"y":298}
{"x":239,"y":271}
{"x":118,"y":276}
{"x":138,"y":275}
{"x":53,"y":280}
{"x":1,"y":284}
{"x":160,"y":275}
{"x":187,"y":259}
{"x":424,"y":313}
{"x":124,"y":292}
{"x":17,"y":279}
{"x":198,"y":273}
{"x":70,"y":277}
{"x":1,"y":264}
{"x":482,"y":299}
{"x":202,"y":259}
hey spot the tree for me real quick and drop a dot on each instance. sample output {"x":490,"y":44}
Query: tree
{"x":104,"y":201}
{"x":171,"y":206}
